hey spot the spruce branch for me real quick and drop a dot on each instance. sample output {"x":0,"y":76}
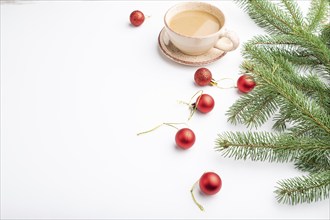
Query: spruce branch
{"x":294,"y":93}
{"x":291,"y":66}
{"x":317,"y":46}
{"x":292,"y":29}
{"x":268,"y":16}
{"x":311,"y":188}
{"x":266,"y":146}
{"x":307,"y":46}
{"x":254,"y":108}
{"x":289,"y":48}
{"x":294,"y":10}
{"x":313,"y":162}
{"x":317,"y":90}
{"x":318,"y":11}
{"x":308,"y":108}
{"x":325,"y":35}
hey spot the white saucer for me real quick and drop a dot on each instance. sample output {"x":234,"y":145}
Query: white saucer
{"x":171,"y":52}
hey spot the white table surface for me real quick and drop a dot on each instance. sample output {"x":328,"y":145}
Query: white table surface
{"x":78,"y":82}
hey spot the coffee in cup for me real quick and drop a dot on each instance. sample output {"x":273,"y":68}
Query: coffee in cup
{"x":196,"y":27}
{"x":195,"y":23}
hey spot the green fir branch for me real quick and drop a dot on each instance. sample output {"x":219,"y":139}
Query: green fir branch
{"x":312,"y":161}
{"x":308,"y":47}
{"x":318,"y":11}
{"x":291,"y":67}
{"x":316,"y":90}
{"x":254,"y":108}
{"x":274,"y":40}
{"x":311,"y":188}
{"x":288,"y":91}
{"x":293,"y":9}
{"x":325,"y":35}
{"x":301,"y":129}
{"x":260,"y":111}
{"x":280,"y":122}
{"x":265,"y":146}
{"x":315,"y":44}
{"x":268,"y":16}
{"x":289,"y":48}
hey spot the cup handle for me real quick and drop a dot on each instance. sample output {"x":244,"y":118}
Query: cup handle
{"x":225,"y":45}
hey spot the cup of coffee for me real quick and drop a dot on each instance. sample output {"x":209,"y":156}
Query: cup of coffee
{"x":196,"y":27}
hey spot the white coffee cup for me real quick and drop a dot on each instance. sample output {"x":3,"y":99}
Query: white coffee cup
{"x":196,"y":45}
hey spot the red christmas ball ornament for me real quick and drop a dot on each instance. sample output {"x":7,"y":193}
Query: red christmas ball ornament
{"x":210,"y":183}
{"x":205,"y":103}
{"x":136,"y":18}
{"x":245,"y":83}
{"x":185,"y":138}
{"x":203,"y":77}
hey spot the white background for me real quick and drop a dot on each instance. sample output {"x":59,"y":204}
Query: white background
{"x":78,"y":82}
